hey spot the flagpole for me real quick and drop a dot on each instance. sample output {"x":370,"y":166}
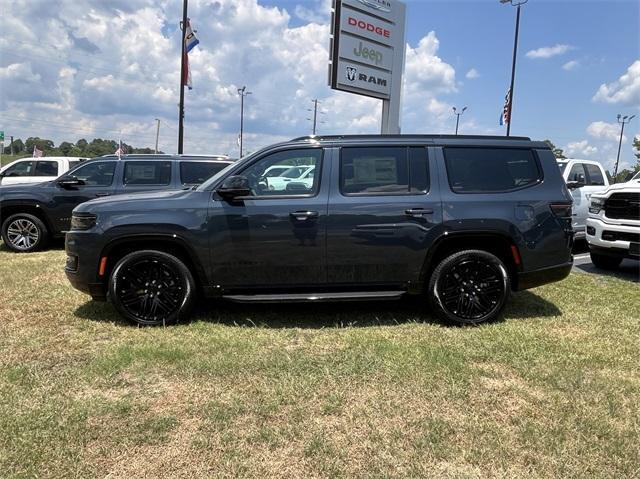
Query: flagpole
{"x":515,"y":52}
{"x":182,"y":72}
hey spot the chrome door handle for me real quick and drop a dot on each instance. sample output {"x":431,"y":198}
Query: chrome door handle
{"x":418,"y":211}
{"x":304,"y":215}
{"x":103,"y":194}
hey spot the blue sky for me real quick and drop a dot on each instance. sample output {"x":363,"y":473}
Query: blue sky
{"x":95,"y":68}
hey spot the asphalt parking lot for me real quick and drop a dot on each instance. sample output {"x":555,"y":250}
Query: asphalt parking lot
{"x":629,"y":269}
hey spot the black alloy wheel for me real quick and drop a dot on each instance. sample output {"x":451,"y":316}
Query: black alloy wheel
{"x":152,"y":288}
{"x":469,"y":287}
{"x":24,"y":233}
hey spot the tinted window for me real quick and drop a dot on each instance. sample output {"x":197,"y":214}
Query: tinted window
{"x":577,"y":173}
{"x":595,"y":175}
{"x":96,"y":174}
{"x":46,"y":168}
{"x":147,"y":173}
{"x":472,"y":170}
{"x":73,"y":163}
{"x":379,"y":171}
{"x":302,"y":159}
{"x":196,"y":172}
{"x":23,"y":168}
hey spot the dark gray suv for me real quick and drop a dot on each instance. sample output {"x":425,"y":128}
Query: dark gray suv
{"x":462,"y":220}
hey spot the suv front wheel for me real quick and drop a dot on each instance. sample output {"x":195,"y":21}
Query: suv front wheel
{"x":469,"y":287}
{"x":152,"y":288}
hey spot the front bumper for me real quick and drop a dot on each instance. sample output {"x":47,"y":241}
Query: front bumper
{"x":83,"y":260}
{"x":605,"y":239}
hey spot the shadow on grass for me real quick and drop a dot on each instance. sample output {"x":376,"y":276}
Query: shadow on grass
{"x":523,"y":305}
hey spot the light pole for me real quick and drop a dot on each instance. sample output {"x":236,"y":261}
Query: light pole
{"x":242,"y":92}
{"x":623,"y":120}
{"x":518,"y":4}
{"x":455,"y":112}
{"x":157,"y":133}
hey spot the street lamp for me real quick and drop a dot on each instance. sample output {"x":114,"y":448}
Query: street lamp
{"x":623,"y":120}
{"x":242,"y":92}
{"x":455,"y":112}
{"x":518,"y":4}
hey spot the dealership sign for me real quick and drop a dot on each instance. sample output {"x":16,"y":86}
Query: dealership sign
{"x":367,"y":47}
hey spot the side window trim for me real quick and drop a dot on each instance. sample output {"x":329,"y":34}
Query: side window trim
{"x":407,"y":149}
{"x":319,"y":166}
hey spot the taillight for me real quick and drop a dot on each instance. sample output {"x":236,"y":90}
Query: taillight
{"x":561,"y":210}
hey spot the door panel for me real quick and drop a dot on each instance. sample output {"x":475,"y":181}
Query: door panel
{"x":277,"y":241}
{"x":376,"y":233}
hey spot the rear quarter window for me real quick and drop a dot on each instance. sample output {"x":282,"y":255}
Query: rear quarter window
{"x":147,"y":173}
{"x":490,"y":170}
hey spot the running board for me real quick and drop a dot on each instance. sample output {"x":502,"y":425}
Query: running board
{"x":305,"y":297}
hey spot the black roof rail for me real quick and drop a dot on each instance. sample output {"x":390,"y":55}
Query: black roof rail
{"x":408,"y":136}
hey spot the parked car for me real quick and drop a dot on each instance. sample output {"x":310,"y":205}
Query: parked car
{"x":583,"y":178}
{"x":462,"y":220}
{"x":31,"y":214}
{"x":297,"y":176}
{"x":37,"y":170}
{"x":613,"y":226}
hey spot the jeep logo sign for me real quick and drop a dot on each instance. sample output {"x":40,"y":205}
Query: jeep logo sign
{"x":366,"y":52}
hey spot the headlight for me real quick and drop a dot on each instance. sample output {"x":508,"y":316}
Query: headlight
{"x":596,"y":205}
{"x":83,"y":221}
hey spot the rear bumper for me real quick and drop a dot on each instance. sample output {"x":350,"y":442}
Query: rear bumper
{"x":538,"y":277}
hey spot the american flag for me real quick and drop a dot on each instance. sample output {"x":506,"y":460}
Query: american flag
{"x":505,"y":117}
{"x":190,"y":41}
{"x":36,"y":153}
{"x":121,"y":150}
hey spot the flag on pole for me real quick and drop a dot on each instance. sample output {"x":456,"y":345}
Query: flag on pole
{"x":505,"y":116}
{"x":36,"y":153}
{"x":190,"y":41}
{"x":120,"y":150}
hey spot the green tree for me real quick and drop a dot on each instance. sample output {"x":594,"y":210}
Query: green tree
{"x":18,"y":147}
{"x":65,"y":148}
{"x":47,"y":146}
{"x":557,"y":152}
{"x":636,"y":146}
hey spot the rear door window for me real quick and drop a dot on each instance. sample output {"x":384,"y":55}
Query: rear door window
{"x":197,"y":172}
{"x":490,"y":170}
{"x":595,"y":175}
{"x":383,"y":171}
{"x":46,"y":168}
{"x":157,"y":173}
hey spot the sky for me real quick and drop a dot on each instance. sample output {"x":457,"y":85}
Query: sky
{"x":72,"y":69}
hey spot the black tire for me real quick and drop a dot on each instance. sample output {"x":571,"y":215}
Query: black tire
{"x":601,"y":261}
{"x":469,"y":287}
{"x":24,"y":233}
{"x":140,"y":278}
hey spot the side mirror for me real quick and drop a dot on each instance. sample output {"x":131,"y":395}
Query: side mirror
{"x":572,"y":185}
{"x":234,"y":187}
{"x":69,"y":181}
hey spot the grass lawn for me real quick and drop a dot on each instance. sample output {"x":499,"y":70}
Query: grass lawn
{"x":351,"y":390}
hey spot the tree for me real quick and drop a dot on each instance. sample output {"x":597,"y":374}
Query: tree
{"x":557,"y":152}
{"x":42,"y":144}
{"x":65,"y":148}
{"x":18,"y":147}
{"x":636,"y":146}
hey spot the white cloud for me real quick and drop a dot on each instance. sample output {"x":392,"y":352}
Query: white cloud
{"x":625,"y":90}
{"x":92,"y":68}
{"x":548,"y":52}
{"x":571,"y":65}
{"x":606,"y":131}
{"x":580,"y":149}
{"x":472,"y":74}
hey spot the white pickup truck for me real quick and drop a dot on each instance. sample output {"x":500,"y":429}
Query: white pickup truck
{"x":613,"y":226}
{"x":583,"y":178}
{"x":37,"y":170}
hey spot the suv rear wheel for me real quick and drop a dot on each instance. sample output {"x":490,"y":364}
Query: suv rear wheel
{"x":469,"y":287}
{"x":24,"y":233}
{"x":605,"y":262}
{"x":152,"y":288}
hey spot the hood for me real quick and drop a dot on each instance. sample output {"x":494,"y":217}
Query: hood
{"x":630,"y":186}
{"x":149,"y":200}
{"x":22,"y":188}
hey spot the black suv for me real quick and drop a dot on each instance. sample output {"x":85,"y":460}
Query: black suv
{"x":32,"y":213}
{"x":463,"y":220}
